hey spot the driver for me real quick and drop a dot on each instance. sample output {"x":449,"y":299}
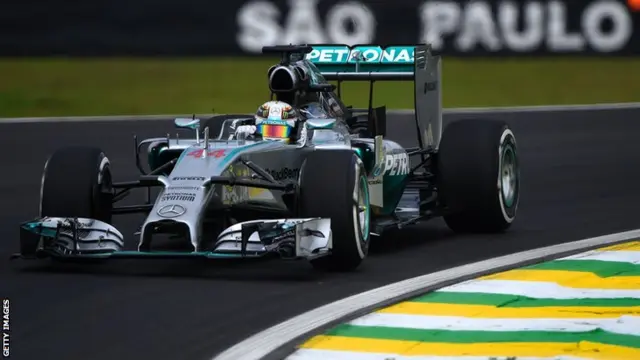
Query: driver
{"x":274,"y":120}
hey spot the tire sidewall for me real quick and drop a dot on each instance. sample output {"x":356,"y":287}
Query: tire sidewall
{"x":331,"y":182}
{"x":102,"y":205}
{"x":471,"y":177}
{"x":104,"y":166}
{"x":43,"y":179}
{"x":508,"y":144}
{"x":361,"y":237}
{"x":97,"y":186}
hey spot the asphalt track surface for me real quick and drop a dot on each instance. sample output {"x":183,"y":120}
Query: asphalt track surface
{"x":579,"y":179}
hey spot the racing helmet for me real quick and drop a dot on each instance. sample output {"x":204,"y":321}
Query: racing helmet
{"x":276,"y":120}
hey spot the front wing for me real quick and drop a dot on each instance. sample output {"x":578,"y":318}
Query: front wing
{"x":83,"y":238}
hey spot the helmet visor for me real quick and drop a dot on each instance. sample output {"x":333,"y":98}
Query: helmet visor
{"x":274,"y":131}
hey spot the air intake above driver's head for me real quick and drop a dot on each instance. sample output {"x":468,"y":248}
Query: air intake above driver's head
{"x":282,"y":78}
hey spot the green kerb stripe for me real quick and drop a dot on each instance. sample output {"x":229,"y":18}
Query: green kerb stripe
{"x":515,"y":301}
{"x":468,"y":337}
{"x":598,"y":267}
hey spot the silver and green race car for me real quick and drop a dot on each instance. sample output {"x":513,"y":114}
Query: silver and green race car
{"x":323,"y":198}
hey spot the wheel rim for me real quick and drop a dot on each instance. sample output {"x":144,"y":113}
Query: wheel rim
{"x":104,"y":194}
{"x":509,"y":176}
{"x":363,"y":208}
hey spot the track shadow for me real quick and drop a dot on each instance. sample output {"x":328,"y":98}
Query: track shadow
{"x":262,"y":269}
{"x":233,"y":270}
{"x":409,"y":238}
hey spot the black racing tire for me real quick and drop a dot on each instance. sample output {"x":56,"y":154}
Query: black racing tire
{"x":330,"y":183}
{"x":77,"y":182}
{"x":477,"y":160}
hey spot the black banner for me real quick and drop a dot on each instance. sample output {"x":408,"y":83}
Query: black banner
{"x":214,"y":27}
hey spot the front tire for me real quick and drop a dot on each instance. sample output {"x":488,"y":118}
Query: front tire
{"x":333,"y":184}
{"x":77,"y":182}
{"x":479,"y":177}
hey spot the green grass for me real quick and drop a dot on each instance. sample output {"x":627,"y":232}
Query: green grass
{"x":61,"y":86}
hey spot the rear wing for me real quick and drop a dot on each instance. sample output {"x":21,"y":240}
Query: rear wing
{"x":392,"y":63}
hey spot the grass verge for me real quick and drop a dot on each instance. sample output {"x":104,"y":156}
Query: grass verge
{"x":116,"y":86}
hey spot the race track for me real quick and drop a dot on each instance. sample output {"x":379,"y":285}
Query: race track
{"x":579,"y":179}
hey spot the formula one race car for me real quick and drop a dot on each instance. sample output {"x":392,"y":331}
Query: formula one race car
{"x":320,"y":195}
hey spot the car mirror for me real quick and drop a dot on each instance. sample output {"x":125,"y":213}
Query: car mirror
{"x":320,"y":124}
{"x":187,"y":123}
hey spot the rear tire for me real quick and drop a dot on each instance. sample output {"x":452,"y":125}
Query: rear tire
{"x":333,"y":184}
{"x":77,"y":182}
{"x":479,"y":177}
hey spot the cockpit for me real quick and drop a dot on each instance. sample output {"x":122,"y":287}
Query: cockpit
{"x":322,"y":106}
{"x":313,"y":111}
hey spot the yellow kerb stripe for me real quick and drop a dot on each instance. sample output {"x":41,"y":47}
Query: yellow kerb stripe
{"x":407,"y":348}
{"x":631,"y":246}
{"x":488,"y":311}
{"x":573,"y":279}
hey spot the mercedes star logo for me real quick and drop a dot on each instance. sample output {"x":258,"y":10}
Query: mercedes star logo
{"x":171,"y":211}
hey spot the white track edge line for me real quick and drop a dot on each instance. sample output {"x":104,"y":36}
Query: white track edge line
{"x":451,"y":111}
{"x":269,"y":340}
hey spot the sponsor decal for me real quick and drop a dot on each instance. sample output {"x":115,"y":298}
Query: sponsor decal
{"x":190,"y":188}
{"x":367,"y":54}
{"x":214,"y":153}
{"x":178,"y":196}
{"x":278,"y":110}
{"x":397,"y":164}
{"x":275,"y":122}
{"x":235,"y":194}
{"x":430,"y":86}
{"x":171,"y":211}
{"x":277,"y":235}
{"x":189,"y":178}
{"x":428,"y":135}
{"x":237,"y":169}
{"x":271,"y":235}
{"x":284,"y":173}
{"x":271,"y":240}
{"x":82,"y":227}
